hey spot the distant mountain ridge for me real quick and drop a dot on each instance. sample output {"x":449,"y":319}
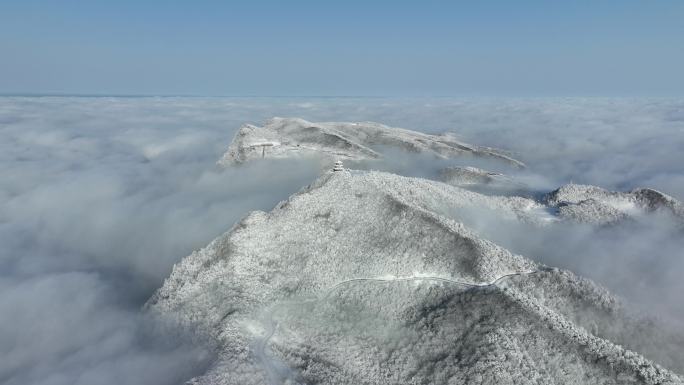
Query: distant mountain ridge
{"x":592,"y":204}
{"x":294,"y":137}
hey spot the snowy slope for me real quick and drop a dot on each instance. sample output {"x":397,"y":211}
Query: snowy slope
{"x":460,"y":176}
{"x":292,"y":137}
{"x":369,"y":278}
{"x":483,"y":181}
{"x":571,"y":202}
{"x":591,"y":204}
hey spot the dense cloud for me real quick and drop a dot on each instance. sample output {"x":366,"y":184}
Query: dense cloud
{"x":100,"y":196}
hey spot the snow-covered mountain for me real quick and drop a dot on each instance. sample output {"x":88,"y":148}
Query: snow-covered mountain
{"x":292,"y":137}
{"x":592,"y":204}
{"x":371,"y":278}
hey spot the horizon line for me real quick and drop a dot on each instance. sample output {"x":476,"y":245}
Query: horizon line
{"x":473,"y":96}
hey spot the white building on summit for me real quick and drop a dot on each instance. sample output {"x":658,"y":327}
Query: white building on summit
{"x":338,"y":166}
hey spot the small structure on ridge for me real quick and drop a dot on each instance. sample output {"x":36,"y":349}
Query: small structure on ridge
{"x":338,"y":166}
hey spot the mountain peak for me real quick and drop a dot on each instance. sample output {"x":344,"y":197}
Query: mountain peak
{"x":371,"y":275}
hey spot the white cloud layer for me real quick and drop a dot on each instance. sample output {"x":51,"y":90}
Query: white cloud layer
{"x":100,"y":196}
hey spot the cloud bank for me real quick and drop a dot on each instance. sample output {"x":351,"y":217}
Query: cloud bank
{"x":100,"y":196}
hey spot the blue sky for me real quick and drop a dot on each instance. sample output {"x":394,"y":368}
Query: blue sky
{"x":356,"y":48}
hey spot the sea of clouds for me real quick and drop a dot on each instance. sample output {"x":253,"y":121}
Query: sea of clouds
{"x":101,"y":196}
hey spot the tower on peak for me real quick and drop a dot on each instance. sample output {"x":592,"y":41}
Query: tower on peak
{"x":338,"y":166}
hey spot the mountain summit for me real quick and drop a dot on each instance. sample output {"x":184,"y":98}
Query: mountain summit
{"x":370,"y":278}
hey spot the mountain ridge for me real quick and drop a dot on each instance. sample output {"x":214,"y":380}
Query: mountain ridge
{"x":352,"y":224}
{"x":296,"y":137}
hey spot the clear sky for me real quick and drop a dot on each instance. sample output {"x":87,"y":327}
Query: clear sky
{"x":354,"y":48}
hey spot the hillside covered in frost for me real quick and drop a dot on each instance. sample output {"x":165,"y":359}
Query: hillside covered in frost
{"x":373,"y":278}
{"x":294,"y":137}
